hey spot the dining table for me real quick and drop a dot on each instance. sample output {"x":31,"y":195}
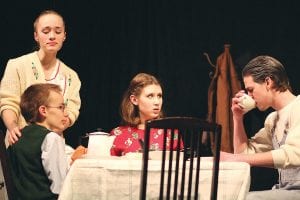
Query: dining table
{"x":110,"y":177}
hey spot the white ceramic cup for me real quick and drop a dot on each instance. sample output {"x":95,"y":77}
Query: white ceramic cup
{"x":247,"y":103}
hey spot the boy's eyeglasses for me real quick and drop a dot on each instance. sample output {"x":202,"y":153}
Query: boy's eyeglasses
{"x":61,"y":107}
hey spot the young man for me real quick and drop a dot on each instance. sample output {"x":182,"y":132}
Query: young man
{"x":277,"y":144}
{"x":38,"y":160}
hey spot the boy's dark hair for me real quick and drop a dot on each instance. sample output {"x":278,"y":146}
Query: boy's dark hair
{"x":263,"y":67}
{"x":35,"y":96}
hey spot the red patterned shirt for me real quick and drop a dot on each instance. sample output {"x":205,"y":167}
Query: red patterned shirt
{"x":127,"y":140}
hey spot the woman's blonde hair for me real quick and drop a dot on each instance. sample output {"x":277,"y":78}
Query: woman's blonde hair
{"x":46,"y":12}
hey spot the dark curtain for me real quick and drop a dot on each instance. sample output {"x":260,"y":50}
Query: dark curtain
{"x":108,"y":42}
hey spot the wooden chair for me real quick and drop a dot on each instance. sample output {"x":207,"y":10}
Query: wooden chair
{"x":179,"y":177}
{"x":5,"y":167}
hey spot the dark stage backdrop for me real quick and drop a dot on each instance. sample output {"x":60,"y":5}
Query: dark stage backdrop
{"x":108,"y":42}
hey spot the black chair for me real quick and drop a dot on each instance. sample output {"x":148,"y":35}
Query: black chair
{"x":179,"y":177}
{"x":5,"y":167}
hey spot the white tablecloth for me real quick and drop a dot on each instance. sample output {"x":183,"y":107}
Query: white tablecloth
{"x":119,"y":178}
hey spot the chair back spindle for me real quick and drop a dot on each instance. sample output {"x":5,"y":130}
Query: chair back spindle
{"x":180,"y":168}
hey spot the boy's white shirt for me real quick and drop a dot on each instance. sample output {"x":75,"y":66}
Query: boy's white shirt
{"x":54,"y":160}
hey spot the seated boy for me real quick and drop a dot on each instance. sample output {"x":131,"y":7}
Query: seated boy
{"x":38,"y":160}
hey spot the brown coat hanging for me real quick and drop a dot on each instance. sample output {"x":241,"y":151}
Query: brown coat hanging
{"x":223,"y":86}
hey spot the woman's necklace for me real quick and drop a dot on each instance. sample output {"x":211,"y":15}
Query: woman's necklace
{"x":56,"y":73}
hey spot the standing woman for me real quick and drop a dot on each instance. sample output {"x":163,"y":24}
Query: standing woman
{"x":41,"y":66}
{"x":142,"y":101}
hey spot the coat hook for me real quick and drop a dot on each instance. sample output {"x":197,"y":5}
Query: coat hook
{"x":208,"y":59}
{"x":211,"y":73}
